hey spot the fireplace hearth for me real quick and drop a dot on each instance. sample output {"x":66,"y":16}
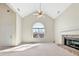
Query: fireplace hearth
{"x":71,"y":41}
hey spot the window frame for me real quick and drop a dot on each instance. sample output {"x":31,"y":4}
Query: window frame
{"x":38,"y":31}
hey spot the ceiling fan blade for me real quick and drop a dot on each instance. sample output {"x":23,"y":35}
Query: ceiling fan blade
{"x":35,"y":14}
{"x":38,"y":13}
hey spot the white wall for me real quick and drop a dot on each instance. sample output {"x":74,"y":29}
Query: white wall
{"x":67,"y":23}
{"x":18,"y":38}
{"x":27,"y":24}
{"x":7,"y":26}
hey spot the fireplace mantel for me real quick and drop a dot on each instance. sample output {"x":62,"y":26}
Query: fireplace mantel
{"x":70,"y":36}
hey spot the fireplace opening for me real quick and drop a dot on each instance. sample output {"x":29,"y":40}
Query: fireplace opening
{"x":71,"y":42}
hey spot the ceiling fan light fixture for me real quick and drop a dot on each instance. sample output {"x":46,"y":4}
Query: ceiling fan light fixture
{"x":39,"y":12}
{"x":40,"y":16}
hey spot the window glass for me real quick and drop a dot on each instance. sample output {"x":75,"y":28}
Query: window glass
{"x":38,"y":30}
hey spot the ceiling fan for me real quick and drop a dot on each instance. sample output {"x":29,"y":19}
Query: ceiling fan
{"x":39,"y":12}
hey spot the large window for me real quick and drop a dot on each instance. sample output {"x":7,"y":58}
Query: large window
{"x":38,"y":30}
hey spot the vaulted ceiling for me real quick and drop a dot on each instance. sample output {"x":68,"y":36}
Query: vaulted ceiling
{"x":52,"y":9}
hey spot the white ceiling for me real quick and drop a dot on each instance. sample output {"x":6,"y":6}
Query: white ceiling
{"x":52,"y":9}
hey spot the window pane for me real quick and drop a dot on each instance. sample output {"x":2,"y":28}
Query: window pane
{"x":38,"y":30}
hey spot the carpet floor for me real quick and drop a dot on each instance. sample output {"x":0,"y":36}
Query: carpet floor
{"x":39,"y":49}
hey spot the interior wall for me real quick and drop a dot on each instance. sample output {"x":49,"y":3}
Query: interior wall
{"x":29,"y":21}
{"x":18,"y":34}
{"x":67,"y":23}
{"x":7,"y":25}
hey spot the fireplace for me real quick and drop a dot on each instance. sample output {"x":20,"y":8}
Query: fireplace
{"x":71,"y":41}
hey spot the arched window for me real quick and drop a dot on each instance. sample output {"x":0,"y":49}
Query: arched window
{"x":38,"y":30}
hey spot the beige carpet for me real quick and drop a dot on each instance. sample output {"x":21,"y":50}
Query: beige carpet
{"x":40,"y":49}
